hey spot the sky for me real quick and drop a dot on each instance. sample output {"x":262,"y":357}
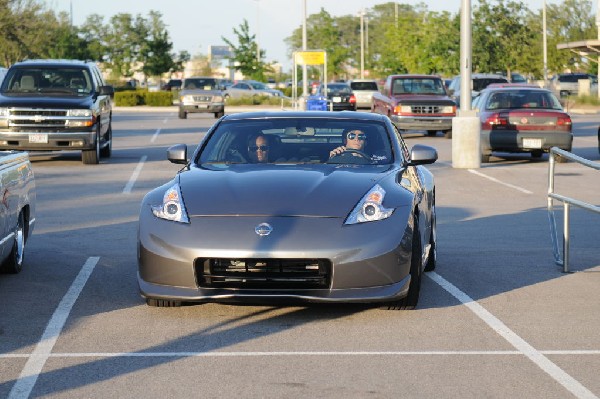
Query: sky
{"x":194,"y":25}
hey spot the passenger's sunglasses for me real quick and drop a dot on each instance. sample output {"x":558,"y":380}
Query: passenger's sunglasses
{"x":352,"y":136}
{"x":259,"y":147}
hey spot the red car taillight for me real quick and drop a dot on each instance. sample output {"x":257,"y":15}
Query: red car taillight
{"x":352,"y":99}
{"x":495,"y":120}
{"x":564,"y":121}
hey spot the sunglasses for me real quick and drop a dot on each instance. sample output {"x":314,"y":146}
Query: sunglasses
{"x":361,"y":136}
{"x":259,"y":147}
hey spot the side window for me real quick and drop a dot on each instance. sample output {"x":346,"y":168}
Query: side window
{"x":404,"y":149}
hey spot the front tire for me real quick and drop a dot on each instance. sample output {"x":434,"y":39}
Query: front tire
{"x":432,"y":258}
{"x":14,"y":263}
{"x":106,"y":151}
{"x":432,"y":133}
{"x":412,"y":298}
{"x":92,"y":157}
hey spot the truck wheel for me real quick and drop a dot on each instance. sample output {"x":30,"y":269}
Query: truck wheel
{"x":219,"y":114}
{"x":106,"y":151}
{"x":92,"y":157}
{"x":182,"y":114}
{"x":14,"y":263}
{"x":431,"y":133}
{"x":448,"y":134}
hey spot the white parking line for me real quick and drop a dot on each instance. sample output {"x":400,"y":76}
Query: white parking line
{"x":155,"y":135}
{"x":43,"y":349}
{"x":134,"y":175}
{"x":558,"y":374}
{"x":500,"y":182}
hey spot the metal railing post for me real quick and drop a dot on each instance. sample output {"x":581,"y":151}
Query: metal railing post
{"x":567,"y":208}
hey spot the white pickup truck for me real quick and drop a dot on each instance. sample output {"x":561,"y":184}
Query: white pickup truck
{"x":17,"y":208}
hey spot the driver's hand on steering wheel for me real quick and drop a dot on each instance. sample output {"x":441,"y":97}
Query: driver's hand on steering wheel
{"x":337,"y":151}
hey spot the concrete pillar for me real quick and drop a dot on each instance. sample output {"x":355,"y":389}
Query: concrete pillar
{"x":466,"y":141}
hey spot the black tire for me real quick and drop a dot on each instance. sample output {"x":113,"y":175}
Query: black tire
{"x":432,"y":259}
{"x":182,"y":114}
{"x":14,"y":263}
{"x":162,"y":303}
{"x":448,"y":134}
{"x":432,"y":133}
{"x":412,"y":298}
{"x":219,"y":114}
{"x":106,"y":151}
{"x":92,"y":157}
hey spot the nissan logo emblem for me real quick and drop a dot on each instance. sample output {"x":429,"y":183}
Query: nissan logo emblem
{"x":263,"y":229}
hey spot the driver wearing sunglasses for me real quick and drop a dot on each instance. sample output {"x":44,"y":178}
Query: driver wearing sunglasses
{"x":258,"y":149}
{"x":353,"y":140}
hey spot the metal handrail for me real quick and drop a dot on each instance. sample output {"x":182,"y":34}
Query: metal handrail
{"x":567,"y":202}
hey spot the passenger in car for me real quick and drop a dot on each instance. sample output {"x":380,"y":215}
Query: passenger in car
{"x":258,"y":149}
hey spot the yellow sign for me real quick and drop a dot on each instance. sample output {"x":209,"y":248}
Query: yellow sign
{"x":310,"y":57}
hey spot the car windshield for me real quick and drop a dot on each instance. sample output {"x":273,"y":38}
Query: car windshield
{"x":295,"y":141}
{"x":334,"y":89}
{"x":259,"y":86}
{"x":516,"y":99}
{"x":371,"y":86}
{"x":200,"y":83}
{"x":481,"y":83}
{"x":47,"y":80}
{"x":418,"y":86}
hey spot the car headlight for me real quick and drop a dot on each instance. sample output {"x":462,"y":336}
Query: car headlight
{"x":3,"y":112}
{"x":80,"y":112}
{"x":172,"y":207}
{"x":405,"y":108}
{"x":448,"y":109}
{"x":217,"y":99}
{"x":370,"y":208}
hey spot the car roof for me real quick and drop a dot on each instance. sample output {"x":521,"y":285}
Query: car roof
{"x":407,"y":75}
{"x":366,"y":116}
{"x":53,"y":63}
{"x":512,"y":85}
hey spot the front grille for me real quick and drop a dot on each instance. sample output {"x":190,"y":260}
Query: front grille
{"x":263,"y":273}
{"x":37,"y":118}
{"x":426,"y":109}
{"x":202,"y":98}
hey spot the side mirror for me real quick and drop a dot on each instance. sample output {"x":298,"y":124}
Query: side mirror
{"x":177,"y":154}
{"x":422,"y":155}
{"x":106,"y":90}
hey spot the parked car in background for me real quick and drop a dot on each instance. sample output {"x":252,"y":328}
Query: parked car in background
{"x":520,"y":118}
{"x":339,"y":96}
{"x":479,"y":81}
{"x":364,"y":89}
{"x":250,"y":88}
{"x":56,"y":105}
{"x":201,"y":95}
{"x":17,"y":217}
{"x":2,"y":74}
{"x":271,"y":83}
{"x":517,"y":78}
{"x":172,"y":84}
{"x":567,"y":84}
{"x":416,"y":102}
{"x":300,"y":225}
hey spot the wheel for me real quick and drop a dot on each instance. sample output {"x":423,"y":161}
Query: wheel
{"x":162,"y":303}
{"x":537,"y":153}
{"x":431,"y":133}
{"x":432,"y":259}
{"x":448,"y":134}
{"x":412,"y":298}
{"x":92,"y":157}
{"x":106,"y":151}
{"x":485,"y":158}
{"x":219,"y":114}
{"x":14,"y":263}
{"x":182,"y":114}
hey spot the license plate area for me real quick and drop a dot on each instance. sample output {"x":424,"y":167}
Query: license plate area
{"x":39,"y":138}
{"x":532,"y":143}
{"x":337,"y":99}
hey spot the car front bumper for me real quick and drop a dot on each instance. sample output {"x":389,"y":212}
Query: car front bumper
{"x":203,"y":107}
{"x":422,"y":122}
{"x":369,"y":262}
{"x":47,"y":141}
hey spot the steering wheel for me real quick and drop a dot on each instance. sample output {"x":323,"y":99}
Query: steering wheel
{"x":348,"y":156}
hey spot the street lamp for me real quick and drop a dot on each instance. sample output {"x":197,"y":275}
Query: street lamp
{"x":362,"y":44}
{"x":545,"y":46}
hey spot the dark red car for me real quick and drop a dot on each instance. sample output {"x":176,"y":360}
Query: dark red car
{"x":521,"y":118}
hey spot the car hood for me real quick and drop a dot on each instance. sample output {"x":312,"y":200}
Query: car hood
{"x":423,"y":98}
{"x":44,"y":101}
{"x":326,"y":190}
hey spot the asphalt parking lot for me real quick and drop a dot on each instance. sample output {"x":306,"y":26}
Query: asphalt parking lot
{"x":498,"y":318}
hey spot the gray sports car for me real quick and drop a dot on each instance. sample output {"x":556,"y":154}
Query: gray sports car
{"x":300,"y":206}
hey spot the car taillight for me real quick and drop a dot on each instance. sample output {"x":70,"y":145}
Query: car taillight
{"x":495,"y":120}
{"x":352,"y":99}
{"x":564,"y":121}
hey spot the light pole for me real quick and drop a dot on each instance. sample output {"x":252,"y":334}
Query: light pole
{"x":545,"y":46}
{"x":257,"y":32}
{"x":362,"y":44}
{"x":304,"y":81}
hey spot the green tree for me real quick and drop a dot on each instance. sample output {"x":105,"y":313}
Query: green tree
{"x":244,"y":56}
{"x":155,"y":52}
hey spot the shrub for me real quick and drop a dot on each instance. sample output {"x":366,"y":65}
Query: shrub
{"x":129,"y":98}
{"x":158,"y":98}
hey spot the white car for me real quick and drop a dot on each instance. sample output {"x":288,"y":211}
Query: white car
{"x":250,"y":88}
{"x":363,"y":90}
